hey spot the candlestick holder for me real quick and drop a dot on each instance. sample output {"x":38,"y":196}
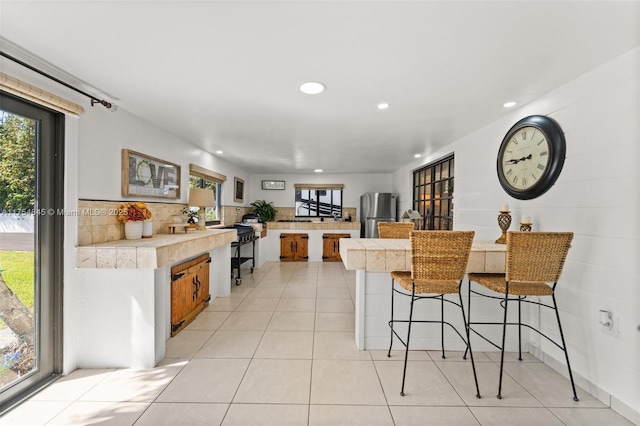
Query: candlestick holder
{"x":525,"y":227}
{"x":504,"y":222}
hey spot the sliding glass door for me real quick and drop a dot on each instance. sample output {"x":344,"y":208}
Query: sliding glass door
{"x":31,"y":246}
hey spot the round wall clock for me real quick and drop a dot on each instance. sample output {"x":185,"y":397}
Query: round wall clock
{"x":531,"y":157}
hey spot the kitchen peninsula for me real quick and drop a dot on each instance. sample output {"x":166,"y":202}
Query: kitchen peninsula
{"x":124,"y":299}
{"x":373,"y":259}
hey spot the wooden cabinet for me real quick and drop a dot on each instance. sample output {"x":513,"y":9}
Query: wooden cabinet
{"x":294,"y":247}
{"x":189,"y":291}
{"x":331,"y":247}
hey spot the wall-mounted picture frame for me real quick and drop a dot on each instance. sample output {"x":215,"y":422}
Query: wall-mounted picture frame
{"x":238,"y":190}
{"x":272,"y":184}
{"x":146,"y":176}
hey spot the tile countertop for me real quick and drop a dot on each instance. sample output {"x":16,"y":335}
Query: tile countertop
{"x":386,"y":255}
{"x":152,"y":253}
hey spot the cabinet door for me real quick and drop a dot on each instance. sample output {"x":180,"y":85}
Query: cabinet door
{"x":328,"y":248}
{"x":287,"y":247}
{"x":182,"y":301}
{"x":203,"y":280}
{"x":189,"y":291}
{"x":331,"y":247}
{"x":302,"y":247}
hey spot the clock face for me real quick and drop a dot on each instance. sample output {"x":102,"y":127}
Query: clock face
{"x":525,"y":158}
{"x":531,"y":157}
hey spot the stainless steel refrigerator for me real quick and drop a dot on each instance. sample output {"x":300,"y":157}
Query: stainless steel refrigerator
{"x":376,"y":207}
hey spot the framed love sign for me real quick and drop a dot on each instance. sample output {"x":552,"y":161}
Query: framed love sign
{"x":146,"y":176}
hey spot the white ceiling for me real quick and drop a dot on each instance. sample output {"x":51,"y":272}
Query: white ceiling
{"x":224,"y":75}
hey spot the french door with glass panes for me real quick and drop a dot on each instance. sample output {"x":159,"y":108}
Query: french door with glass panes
{"x":31,"y":247}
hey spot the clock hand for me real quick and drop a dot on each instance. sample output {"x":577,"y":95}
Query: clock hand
{"x":517,"y":160}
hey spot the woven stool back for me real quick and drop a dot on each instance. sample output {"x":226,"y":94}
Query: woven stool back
{"x":395,"y":229}
{"x":536,"y":256}
{"x":440,"y":255}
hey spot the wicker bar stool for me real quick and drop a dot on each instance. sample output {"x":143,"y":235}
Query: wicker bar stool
{"x":395,"y":229}
{"x":533,"y":266}
{"x":438,"y":264}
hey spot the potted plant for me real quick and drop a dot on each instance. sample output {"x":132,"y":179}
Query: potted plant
{"x":132,"y":215}
{"x":192,"y":216}
{"x":264,"y":209}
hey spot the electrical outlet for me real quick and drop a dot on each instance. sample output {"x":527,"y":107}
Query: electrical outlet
{"x":615,"y":328}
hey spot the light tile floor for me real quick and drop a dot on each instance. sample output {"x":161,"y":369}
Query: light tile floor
{"x":280,"y":351}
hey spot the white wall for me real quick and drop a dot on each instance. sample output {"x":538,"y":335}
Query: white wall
{"x":596,"y":197}
{"x":102,"y":136}
{"x":95,"y":146}
{"x":10,"y":222}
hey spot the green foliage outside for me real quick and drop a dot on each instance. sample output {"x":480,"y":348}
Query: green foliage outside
{"x":16,"y":268}
{"x":17,"y":162}
{"x":210,"y":213}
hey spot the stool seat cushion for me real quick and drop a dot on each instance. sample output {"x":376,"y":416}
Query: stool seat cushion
{"x":405,"y":281}
{"x":498,"y":283}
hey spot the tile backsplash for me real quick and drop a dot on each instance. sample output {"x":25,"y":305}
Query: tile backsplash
{"x":98,"y":220}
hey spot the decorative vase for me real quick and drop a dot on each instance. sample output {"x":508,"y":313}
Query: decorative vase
{"x":147,"y":229}
{"x":133,"y":230}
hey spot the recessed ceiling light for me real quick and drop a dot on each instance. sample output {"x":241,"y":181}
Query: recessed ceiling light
{"x":417,"y":155}
{"x":509,"y":104}
{"x":312,"y":87}
{"x":218,"y":152}
{"x":383,"y":105}
{"x":318,"y":170}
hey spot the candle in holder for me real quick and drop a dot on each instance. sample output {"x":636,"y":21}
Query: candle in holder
{"x":504,"y":221}
{"x":525,"y":223}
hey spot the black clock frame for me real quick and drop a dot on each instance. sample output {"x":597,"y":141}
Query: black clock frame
{"x":557,"y":152}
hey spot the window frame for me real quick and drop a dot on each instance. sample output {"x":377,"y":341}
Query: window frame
{"x":48,"y":247}
{"x":433,"y":186}
{"x":202,"y":175}
{"x":335,"y":207}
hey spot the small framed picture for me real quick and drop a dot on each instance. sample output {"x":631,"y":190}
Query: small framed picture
{"x":272,"y":184}
{"x":146,"y":176}
{"x":238,"y":194}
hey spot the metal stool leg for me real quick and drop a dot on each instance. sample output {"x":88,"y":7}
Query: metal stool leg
{"x":473,"y":364}
{"x":519,"y":328}
{"x":504,"y":333}
{"x":391,"y":322}
{"x":406,"y":352}
{"x":442,"y":323}
{"x":564,"y":348}
{"x":468,"y":324}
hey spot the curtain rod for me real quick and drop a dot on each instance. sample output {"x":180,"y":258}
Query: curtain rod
{"x":94,"y":100}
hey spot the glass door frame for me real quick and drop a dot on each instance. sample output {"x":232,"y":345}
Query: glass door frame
{"x":48,"y":247}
